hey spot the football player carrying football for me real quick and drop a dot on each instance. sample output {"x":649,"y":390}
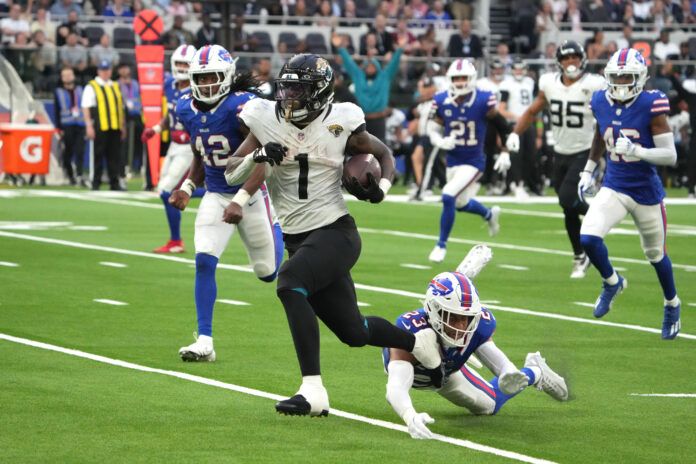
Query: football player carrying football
{"x":464,"y":327}
{"x":298,"y":144}
{"x":209,"y":115}
{"x":633,"y":131}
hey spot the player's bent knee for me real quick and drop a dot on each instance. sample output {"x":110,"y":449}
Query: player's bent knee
{"x":654,"y":254}
{"x":448,"y":200}
{"x":265,"y":272}
{"x":354,"y":338}
{"x":590,"y":242}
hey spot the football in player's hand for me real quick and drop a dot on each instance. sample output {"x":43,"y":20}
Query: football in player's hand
{"x":359,"y":166}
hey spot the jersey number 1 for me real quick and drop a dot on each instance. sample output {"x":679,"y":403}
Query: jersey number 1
{"x":304,"y":176}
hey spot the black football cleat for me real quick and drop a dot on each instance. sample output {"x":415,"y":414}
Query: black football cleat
{"x":298,"y":406}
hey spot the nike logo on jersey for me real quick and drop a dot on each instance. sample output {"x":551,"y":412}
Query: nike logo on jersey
{"x":252,"y":202}
{"x":407,"y":326}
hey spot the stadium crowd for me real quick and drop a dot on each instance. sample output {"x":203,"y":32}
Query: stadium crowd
{"x":403,"y":41}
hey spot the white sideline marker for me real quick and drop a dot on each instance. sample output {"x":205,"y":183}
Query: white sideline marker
{"x":99,"y":228}
{"x":490,"y":301}
{"x":512,"y":267}
{"x":581,"y":303}
{"x":112,"y":264}
{"x":414,"y":266}
{"x":233,"y":302}
{"x":110,"y":302}
{"x":360,"y":303}
{"x":665,"y":395}
{"x":691,"y":304}
{"x":8,"y":264}
{"x":262,"y":394}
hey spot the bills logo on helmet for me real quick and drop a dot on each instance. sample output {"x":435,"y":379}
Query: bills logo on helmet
{"x":441,"y":286}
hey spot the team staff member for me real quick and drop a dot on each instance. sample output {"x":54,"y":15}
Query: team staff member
{"x":102,"y":107}
{"x":70,"y":123}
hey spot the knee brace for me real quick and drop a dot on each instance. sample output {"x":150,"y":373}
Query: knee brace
{"x":654,"y":253}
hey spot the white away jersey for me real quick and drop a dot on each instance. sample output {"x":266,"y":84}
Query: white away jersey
{"x":517,"y":94}
{"x":572,"y":122}
{"x":306,"y":187}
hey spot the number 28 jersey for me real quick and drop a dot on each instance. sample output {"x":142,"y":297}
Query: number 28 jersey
{"x":569,"y":106}
{"x":306,"y":187}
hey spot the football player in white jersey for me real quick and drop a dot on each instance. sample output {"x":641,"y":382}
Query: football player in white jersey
{"x":567,"y":94}
{"x":516,"y":95}
{"x":298,"y":145}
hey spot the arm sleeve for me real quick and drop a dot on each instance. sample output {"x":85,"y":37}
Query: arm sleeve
{"x":494,"y":359}
{"x":393,"y":65}
{"x":664,"y":153}
{"x":434,"y":131}
{"x":398,"y":385}
{"x":501,"y":125}
{"x":241,"y":172}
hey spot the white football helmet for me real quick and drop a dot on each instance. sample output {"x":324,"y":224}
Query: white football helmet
{"x":181,"y":60}
{"x":461,"y":68}
{"x":453,"y":308}
{"x":626,"y":74}
{"x":211,"y":60}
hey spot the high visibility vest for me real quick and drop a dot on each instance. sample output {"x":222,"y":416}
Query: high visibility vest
{"x":70,"y":113}
{"x":109,"y":105}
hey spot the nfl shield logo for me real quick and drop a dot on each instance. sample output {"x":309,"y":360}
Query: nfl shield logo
{"x":204,"y":119}
{"x":300,"y":136}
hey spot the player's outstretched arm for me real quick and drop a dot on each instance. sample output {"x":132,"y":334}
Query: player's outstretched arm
{"x":401,"y":374}
{"x":364,"y":142}
{"x":664,"y":153}
{"x":526,"y":120}
{"x":181,"y":196}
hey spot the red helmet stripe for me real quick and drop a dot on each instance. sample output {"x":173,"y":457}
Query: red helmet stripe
{"x":623,"y":55}
{"x":466,"y":289}
{"x":204,"y":54}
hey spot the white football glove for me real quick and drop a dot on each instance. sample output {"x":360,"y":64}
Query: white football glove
{"x":586,"y":186}
{"x":417,"y":424}
{"x":447,"y":143}
{"x":502,"y":164}
{"x":512,"y":382}
{"x":513,"y":142}
{"x":626,"y":148}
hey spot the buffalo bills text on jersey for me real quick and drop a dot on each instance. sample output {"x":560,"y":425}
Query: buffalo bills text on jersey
{"x":299,"y":144}
{"x":566,"y":94}
{"x":633,"y":131}
{"x":209,"y":115}
{"x":463,"y":112}
{"x":452,"y":308}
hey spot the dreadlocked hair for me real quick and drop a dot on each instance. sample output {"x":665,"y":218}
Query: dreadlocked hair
{"x":244,"y":82}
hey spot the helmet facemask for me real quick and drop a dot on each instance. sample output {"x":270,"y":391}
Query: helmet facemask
{"x":462,"y":78}
{"x":180,"y":70}
{"x":454,"y":329}
{"x":624,"y":85}
{"x":208,"y":90}
{"x":300,"y":100}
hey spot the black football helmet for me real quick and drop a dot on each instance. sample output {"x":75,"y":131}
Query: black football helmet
{"x":571,"y":48}
{"x":519,"y":68}
{"x":304,"y":87}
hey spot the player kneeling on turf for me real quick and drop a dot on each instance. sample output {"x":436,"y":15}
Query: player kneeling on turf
{"x":453,"y":310}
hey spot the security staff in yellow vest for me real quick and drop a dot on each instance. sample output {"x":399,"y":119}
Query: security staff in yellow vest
{"x":103,"y":109}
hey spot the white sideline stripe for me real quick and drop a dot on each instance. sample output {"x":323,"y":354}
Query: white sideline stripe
{"x":513,"y":267}
{"x":262,"y":394}
{"x":490,"y":302}
{"x":506,"y":246}
{"x":110,"y":302}
{"x":619,"y":268}
{"x":360,"y":303}
{"x":234,"y":302}
{"x":581,"y":303}
{"x":8,"y":264}
{"x":391,"y":291}
{"x":691,"y":304}
{"x":666,"y":395}
{"x":88,"y":228}
{"x":414,"y":266}
{"x":112,"y":264}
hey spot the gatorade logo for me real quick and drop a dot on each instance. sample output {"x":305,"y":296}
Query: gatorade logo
{"x":30,"y":149}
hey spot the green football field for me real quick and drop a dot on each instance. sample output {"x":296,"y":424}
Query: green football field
{"x":91,"y":322}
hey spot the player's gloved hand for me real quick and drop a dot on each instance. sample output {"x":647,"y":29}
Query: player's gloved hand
{"x":626,"y":148}
{"x":513,"y":142}
{"x":447,"y":143}
{"x":373,"y":192}
{"x":512,"y":382}
{"x":417,"y":423}
{"x":586,"y":185}
{"x":503,"y":163}
{"x":271,"y":153}
{"x":147,"y":134}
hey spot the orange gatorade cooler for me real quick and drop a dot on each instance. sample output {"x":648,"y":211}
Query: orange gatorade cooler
{"x":26,"y":148}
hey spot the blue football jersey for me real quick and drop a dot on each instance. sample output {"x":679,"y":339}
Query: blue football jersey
{"x":637,"y":179}
{"x":453,"y":358}
{"x":467,"y":123}
{"x":215,"y":134}
{"x":172,"y":93}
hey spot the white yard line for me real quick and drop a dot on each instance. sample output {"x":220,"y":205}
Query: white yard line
{"x":581,"y":303}
{"x":512,"y":267}
{"x":110,"y":302}
{"x":390,"y":291}
{"x":266,"y":395}
{"x":233,"y":302}
{"x":111,"y":264}
{"x":414,"y":266}
{"x":360,"y":303}
{"x":666,"y":395}
{"x":8,"y":264}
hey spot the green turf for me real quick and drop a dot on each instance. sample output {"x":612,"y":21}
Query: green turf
{"x":60,"y":408}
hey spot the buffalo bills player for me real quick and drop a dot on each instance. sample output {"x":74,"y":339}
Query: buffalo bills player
{"x":464,"y":327}
{"x":179,"y":154}
{"x":632,"y":129}
{"x":463,"y":112}
{"x":209,"y":115}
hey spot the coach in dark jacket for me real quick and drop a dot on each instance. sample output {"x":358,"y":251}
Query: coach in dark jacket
{"x":465,"y":44}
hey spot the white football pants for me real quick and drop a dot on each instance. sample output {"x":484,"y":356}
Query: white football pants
{"x":461,"y":183}
{"x":469,"y":391}
{"x":176,"y":165}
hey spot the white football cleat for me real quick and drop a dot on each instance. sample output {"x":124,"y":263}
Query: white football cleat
{"x":580,"y":265}
{"x":493,"y":221}
{"x":310,"y":400}
{"x":199,"y":351}
{"x":475,"y":261}
{"x":512,"y":382}
{"x":438,"y":254}
{"x":550,"y":383}
{"x":427,"y":349}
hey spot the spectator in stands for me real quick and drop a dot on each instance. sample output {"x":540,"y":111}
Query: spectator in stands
{"x":550,"y":57}
{"x":402,"y":34}
{"x":207,"y":34}
{"x":595,"y":46}
{"x":663,"y":79}
{"x":628,"y":17}
{"x":349,"y":13}
{"x":428,"y":43}
{"x":559,"y":9}
{"x":546,"y":27}
{"x":13,"y":25}
{"x":688,"y":13}
{"x":61,"y":8}
{"x":73,"y":55}
{"x":462,"y":9}
{"x":465,"y":44}
{"x":502,"y":53}
{"x":523,"y":26}
{"x":177,"y":35}
{"x":71,"y":25}
{"x":574,"y":16}
{"x":664,"y":48}
{"x":439,"y":14}
{"x":118,"y":9}
{"x":419,"y":9}
{"x":262,"y":71}
{"x":299,"y":13}
{"x":41,"y":23}
{"x":44,"y":59}
{"x":609,"y":51}
{"x":687,"y":93}
{"x":177,"y":8}
{"x":133,"y":148}
{"x":104,"y":51}
{"x":641,"y":10}
{"x":616,"y":10}
{"x":324,"y":15}
{"x":626,"y":38}
{"x":19,"y":54}
{"x":662,"y":17}
{"x":372,"y":85}
{"x":685,"y":71}
{"x":597,"y":12}
{"x":383,"y":39}
{"x":241,"y":39}
{"x":70,"y":124}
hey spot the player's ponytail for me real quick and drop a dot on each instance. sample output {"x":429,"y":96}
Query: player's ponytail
{"x":244,"y":82}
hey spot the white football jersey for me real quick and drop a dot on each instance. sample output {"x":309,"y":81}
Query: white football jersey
{"x":486,"y":83}
{"x":517,"y":94}
{"x":306,"y":187}
{"x":572,"y":122}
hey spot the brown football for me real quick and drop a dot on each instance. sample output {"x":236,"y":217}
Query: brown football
{"x":359,"y":165}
